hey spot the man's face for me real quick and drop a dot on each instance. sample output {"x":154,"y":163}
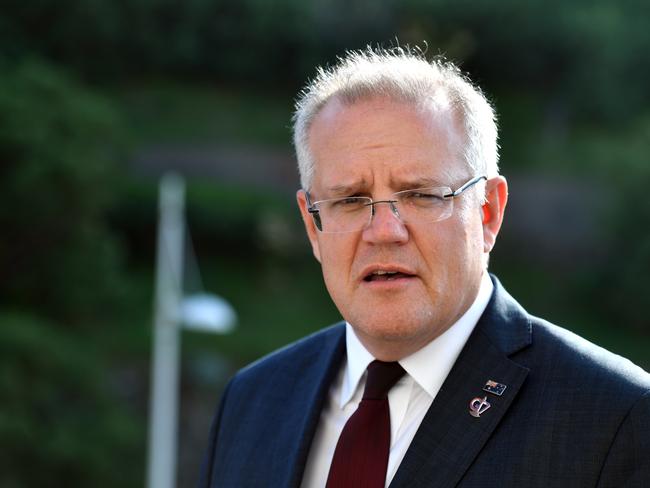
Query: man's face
{"x":375,"y":148}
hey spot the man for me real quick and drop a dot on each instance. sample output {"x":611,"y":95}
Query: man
{"x":438,"y":377}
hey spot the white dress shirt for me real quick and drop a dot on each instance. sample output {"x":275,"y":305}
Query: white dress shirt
{"x":409,"y":400}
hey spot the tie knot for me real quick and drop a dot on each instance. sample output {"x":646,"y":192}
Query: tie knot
{"x":382,"y":377}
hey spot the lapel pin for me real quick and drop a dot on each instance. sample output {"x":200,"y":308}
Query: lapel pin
{"x":478,"y":406}
{"x":493,"y":387}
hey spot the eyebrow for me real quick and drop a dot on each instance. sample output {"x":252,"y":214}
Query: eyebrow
{"x":342,"y":190}
{"x":422,"y":182}
{"x":347,"y":189}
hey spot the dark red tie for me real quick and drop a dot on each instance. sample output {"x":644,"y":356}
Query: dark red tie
{"x":361,"y":455}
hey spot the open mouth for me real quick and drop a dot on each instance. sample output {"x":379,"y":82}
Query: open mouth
{"x":382,"y":275}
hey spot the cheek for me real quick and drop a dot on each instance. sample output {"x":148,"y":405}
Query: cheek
{"x":454,"y":245}
{"x":470,"y":247}
{"x":337,"y":255}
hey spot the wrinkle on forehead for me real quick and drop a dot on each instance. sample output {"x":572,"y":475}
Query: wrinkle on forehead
{"x":365,"y":186}
{"x":437,"y":121}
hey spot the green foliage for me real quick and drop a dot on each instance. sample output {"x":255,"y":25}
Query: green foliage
{"x":60,"y":418}
{"x":621,"y":158}
{"x":222,"y":219}
{"x":591,"y":53}
{"x":58,"y":144}
{"x":584,"y":54}
{"x":166,"y":111}
{"x":60,"y":425}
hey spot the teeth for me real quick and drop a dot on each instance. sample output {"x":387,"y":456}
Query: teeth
{"x":382,"y":272}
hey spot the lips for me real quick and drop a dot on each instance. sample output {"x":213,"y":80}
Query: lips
{"x":385,"y":273}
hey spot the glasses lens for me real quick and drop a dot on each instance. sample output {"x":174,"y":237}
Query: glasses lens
{"x":425,"y":204}
{"x":344,"y":214}
{"x":352,"y":214}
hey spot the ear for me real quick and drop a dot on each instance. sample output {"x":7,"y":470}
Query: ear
{"x":308,"y":220}
{"x":496,"y":194}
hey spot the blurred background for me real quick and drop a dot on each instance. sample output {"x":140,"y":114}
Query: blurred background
{"x":99,"y":99}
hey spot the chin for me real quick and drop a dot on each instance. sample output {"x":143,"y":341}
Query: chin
{"x":393,"y":327}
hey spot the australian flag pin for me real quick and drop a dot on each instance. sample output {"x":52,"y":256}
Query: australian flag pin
{"x":495,"y":388}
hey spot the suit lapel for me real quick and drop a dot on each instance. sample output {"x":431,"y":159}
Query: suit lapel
{"x":449,"y":438}
{"x":316,"y":373}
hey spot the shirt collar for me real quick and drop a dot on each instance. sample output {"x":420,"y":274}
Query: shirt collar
{"x":428,"y":366}
{"x":358,"y":359}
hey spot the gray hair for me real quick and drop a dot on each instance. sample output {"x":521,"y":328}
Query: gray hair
{"x":403,"y":75}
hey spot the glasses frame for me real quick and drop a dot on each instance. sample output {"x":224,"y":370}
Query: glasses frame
{"x":315,"y":212}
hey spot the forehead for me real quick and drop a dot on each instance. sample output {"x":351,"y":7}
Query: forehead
{"x":381,"y":141}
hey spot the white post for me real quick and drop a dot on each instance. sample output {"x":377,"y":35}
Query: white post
{"x":163,"y":408}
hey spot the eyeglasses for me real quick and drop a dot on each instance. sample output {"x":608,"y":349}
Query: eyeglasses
{"x":351,"y":214}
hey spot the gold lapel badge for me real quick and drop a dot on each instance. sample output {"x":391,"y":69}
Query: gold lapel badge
{"x":478,"y":406}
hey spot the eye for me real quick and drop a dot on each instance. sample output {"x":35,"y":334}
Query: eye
{"x":423,"y":195}
{"x":426,"y":196}
{"x":347,"y":203}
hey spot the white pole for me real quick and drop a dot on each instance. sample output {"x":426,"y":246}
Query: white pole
{"x":163,"y":408}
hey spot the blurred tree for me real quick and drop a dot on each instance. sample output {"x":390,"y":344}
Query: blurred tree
{"x":62,"y":421}
{"x":59,"y":426}
{"x":58,"y":147}
{"x":589,"y":54}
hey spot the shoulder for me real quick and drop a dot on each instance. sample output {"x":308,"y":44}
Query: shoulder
{"x":293,"y":358}
{"x":572,"y":349}
{"x":592,"y":397}
{"x":266,"y":406}
{"x":569,"y":374}
{"x":557,"y":357}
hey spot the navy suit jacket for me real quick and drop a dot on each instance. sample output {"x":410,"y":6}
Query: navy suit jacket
{"x":572,"y":414}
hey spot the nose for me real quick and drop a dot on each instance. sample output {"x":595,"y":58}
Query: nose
{"x":386,"y":225}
